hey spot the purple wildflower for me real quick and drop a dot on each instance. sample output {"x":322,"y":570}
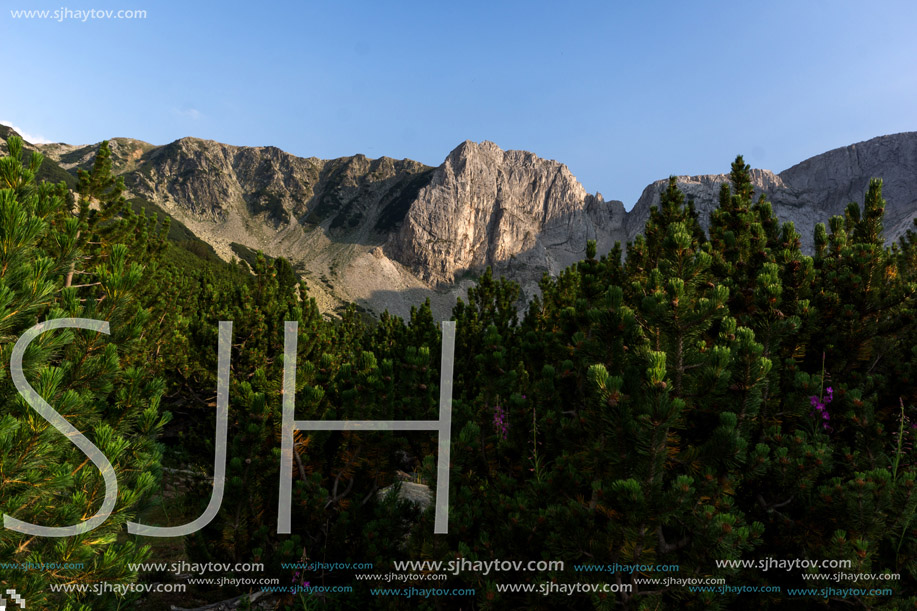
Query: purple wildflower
{"x":299,"y":582}
{"x":501,"y":425}
{"x":821,"y":412}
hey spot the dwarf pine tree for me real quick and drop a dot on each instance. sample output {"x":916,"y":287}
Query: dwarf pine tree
{"x":864,"y":294}
{"x":93,"y":380}
{"x":703,"y":400}
{"x":740,"y":234}
{"x":336,"y":513}
{"x":258,"y":305}
{"x":665,"y":411}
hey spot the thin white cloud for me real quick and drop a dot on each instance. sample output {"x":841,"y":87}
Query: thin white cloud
{"x":31,"y":138}
{"x":192,"y":113}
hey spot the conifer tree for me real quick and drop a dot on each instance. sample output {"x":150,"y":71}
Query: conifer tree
{"x":668,"y":421}
{"x":90,"y":378}
{"x":739,"y":239}
{"x":336,"y":511}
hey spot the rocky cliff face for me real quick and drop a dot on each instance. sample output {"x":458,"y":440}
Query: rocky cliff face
{"x":379,"y":232}
{"x":813,"y":191}
{"x":384,"y":232}
{"x":704,"y":190}
{"x":325,"y":216}
{"x":823,"y":185}
{"x":507,"y":209}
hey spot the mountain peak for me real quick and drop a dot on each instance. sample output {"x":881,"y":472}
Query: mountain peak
{"x":374,"y":230}
{"x":488,"y":207}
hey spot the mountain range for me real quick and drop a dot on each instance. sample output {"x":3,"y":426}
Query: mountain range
{"x":386,"y":233}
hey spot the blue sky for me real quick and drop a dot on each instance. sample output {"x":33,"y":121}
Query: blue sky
{"x":623,"y":94}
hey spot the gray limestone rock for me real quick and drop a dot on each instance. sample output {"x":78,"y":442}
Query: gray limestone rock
{"x":383,"y":232}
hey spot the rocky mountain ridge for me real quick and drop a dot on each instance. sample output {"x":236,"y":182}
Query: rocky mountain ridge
{"x":387,"y":233}
{"x":816,"y":189}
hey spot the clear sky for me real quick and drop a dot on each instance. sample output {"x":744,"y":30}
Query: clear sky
{"x":624,"y":93}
